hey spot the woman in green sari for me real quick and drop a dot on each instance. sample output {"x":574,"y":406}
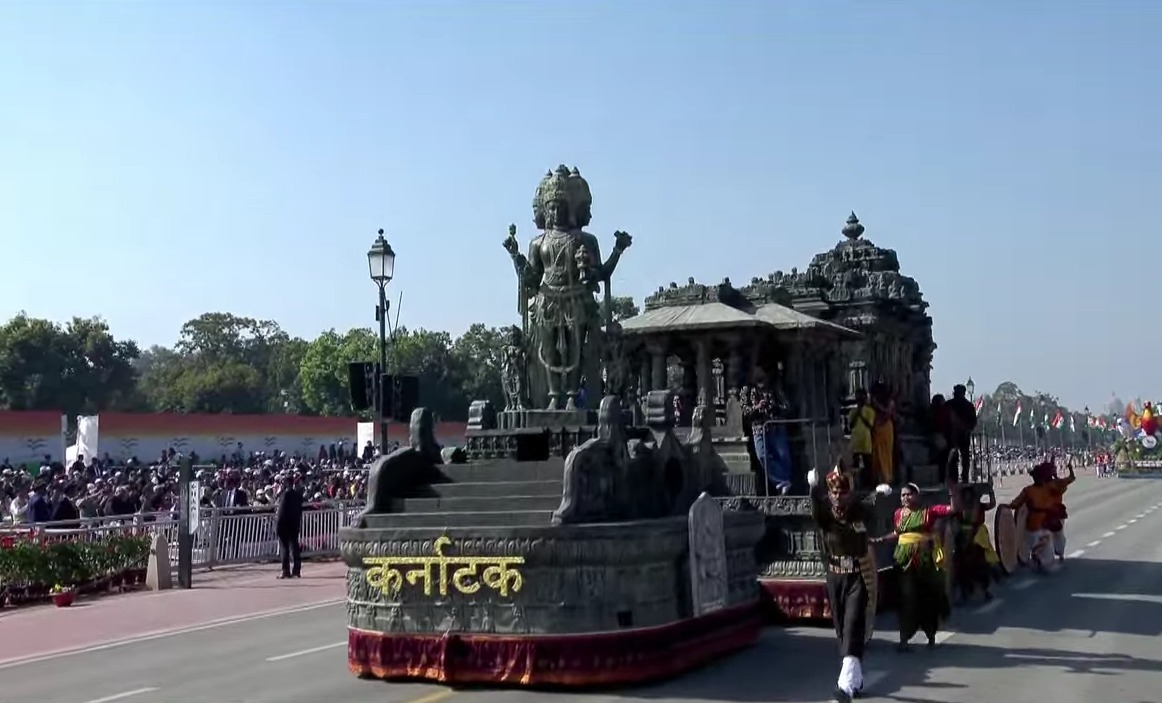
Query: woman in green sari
{"x":920,"y":563}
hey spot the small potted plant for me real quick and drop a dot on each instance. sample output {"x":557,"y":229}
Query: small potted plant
{"x":63,"y":596}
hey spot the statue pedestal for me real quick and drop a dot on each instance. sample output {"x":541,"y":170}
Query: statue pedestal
{"x":531,"y":435}
{"x":544,"y":419}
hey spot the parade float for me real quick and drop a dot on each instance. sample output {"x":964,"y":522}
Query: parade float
{"x":574,"y":546}
{"x":1138,"y":447}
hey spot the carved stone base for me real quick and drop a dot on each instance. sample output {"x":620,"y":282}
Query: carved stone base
{"x":574,"y":579}
{"x":528,"y":444}
{"x":544,"y":419}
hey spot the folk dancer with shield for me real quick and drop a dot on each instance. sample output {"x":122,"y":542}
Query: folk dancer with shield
{"x":977,"y":562}
{"x":919,"y":560}
{"x":851,"y":574}
{"x":1045,"y":513}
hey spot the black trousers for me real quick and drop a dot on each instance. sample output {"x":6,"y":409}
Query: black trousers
{"x":847,"y":594}
{"x":965,"y":453}
{"x":291,"y":553}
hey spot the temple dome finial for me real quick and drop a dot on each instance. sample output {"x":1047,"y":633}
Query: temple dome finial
{"x":853,"y":229}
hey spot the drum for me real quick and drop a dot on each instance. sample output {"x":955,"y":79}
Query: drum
{"x":1022,"y":517}
{"x":1005,"y":539}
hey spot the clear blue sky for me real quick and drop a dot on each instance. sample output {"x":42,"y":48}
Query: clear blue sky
{"x":162,"y":159}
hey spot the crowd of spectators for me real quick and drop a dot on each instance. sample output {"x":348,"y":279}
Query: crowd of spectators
{"x":103,"y":488}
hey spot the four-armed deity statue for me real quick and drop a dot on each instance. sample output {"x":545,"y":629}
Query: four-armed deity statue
{"x":557,"y":285}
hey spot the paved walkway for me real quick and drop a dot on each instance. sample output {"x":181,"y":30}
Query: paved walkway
{"x":217,"y":596}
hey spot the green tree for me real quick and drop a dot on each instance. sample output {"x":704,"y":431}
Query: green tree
{"x":76,"y":368}
{"x":214,"y":348}
{"x":322,"y":375}
{"x":428,"y":355}
{"x":477,"y":355}
{"x":227,"y":387}
{"x":622,"y":307}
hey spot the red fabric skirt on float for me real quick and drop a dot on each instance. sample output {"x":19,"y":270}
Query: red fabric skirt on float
{"x":629,"y":656}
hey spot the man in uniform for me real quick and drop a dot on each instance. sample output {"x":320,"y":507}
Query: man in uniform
{"x":851,"y":576}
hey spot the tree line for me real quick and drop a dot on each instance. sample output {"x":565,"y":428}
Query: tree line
{"x":223,"y":363}
{"x":998,"y":415}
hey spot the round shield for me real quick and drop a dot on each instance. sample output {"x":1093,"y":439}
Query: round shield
{"x":1022,"y":517}
{"x":1149,"y":441}
{"x":1005,"y":538}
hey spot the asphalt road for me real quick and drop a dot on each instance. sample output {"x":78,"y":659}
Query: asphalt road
{"x":1087,"y":632}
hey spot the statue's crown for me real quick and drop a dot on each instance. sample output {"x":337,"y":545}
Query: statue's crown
{"x":580,"y":197}
{"x":539,"y":196}
{"x":555,"y":186}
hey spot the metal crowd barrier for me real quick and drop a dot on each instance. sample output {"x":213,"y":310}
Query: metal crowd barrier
{"x":225,"y":536}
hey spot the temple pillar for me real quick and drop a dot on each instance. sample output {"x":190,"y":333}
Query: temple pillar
{"x":689,"y":386}
{"x":657,"y":357}
{"x":704,"y":374}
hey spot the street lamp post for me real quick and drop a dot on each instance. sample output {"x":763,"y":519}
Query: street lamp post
{"x":381,"y":263}
{"x":971,"y":388}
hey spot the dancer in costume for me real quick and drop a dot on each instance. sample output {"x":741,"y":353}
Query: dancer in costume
{"x":851,"y":576}
{"x":920,"y":561}
{"x":976,"y":559}
{"x":1045,"y":513}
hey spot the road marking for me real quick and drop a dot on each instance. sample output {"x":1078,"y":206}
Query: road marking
{"x":1139,"y":516}
{"x":1022,"y":585}
{"x":119,"y":696}
{"x":162,"y":634}
{"x":1094,"y":543}
{"x":989,"y":607}
{"x":303,"y":652}
{"x":1109,"y":534}
{"x":1075,"y":554}
{"x":1131,"y":522}
{"x":944,"y":635}
{"x":433,"y":696}
{"x":1119,"y":528}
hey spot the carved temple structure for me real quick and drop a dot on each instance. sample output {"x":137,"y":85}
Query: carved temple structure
{"x":810,"y":338}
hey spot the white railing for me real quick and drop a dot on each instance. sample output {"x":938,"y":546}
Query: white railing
{"x":224,"y":536}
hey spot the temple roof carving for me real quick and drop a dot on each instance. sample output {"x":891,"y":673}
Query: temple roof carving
{"x":854,"y":272}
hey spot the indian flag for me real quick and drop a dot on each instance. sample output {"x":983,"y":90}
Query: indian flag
{"x":1017,"y":415}
{"x":1058,"y":420}
{"x":1072,"y":424}
{"x":978,"y":404}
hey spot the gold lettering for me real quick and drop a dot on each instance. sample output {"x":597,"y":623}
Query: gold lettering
{"x":499,"y":574}
{"x":379,"y":576}
{"x":501,"y":578}
{"x":461,"y":576}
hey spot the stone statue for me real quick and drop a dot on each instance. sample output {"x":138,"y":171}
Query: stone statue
{"x":558,"y":281}
{"x":392,"y":476}
{"x":596,"y":473}
{"x":512,"y":369}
